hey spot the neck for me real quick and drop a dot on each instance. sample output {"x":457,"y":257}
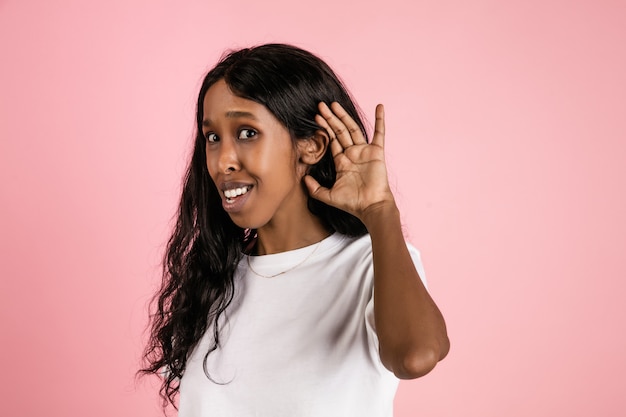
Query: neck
{"x":276,"y":237}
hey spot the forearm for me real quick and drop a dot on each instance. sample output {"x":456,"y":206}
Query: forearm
{"x":411,"y":330}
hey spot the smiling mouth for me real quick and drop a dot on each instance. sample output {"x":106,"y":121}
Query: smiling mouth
{"x":232,"y":194}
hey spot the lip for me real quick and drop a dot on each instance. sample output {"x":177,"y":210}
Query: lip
{"x":237,"y":205}
{"x":229,"y":185}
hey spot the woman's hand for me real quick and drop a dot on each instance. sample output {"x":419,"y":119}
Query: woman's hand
{"x":361,"y":184}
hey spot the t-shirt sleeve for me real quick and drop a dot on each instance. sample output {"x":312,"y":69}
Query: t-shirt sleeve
{"x":369,"y":309}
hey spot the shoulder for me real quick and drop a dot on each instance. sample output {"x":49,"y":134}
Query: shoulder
{"x":352,"y":248}
{"x":363,"y":244}
{"x":358,"y":250}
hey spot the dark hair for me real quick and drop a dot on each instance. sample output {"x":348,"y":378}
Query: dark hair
{"x":206,"y":246}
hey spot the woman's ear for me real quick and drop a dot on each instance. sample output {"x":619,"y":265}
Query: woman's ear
{"x":312,"y":149}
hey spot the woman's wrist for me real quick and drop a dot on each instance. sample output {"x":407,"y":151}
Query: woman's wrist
{"x":381,"y":216}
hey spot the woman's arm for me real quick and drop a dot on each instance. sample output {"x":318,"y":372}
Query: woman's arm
{"x":411,"y":330}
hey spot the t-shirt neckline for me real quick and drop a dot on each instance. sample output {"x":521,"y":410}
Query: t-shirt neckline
{"x":287,"y":258}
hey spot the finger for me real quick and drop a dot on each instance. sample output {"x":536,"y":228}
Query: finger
{"x":335,"y":146}
{"x":349,"y":123}
{"x":316,"y":190}
{"x":322,"y":122}
{"x":340,"y":130}
{"x":379,"y":127}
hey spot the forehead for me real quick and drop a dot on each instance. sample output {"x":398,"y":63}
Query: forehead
{"x":219,"y":101}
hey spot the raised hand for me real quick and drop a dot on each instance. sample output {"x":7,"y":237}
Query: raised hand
{"x":361,"y":185}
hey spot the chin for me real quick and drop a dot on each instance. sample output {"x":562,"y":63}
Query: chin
{"x":246,"y":223}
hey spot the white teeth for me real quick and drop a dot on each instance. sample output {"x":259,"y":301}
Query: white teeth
{"x":236,"y":192}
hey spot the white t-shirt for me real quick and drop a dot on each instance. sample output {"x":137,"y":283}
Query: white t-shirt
{"x":300,"y":344}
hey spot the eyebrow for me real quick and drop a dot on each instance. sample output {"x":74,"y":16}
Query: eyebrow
{"x":234,"y":114}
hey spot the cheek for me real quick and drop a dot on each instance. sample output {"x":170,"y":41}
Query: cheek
{"x":210,"y":164}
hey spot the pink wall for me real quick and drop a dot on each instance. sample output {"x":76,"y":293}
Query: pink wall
{"x":506,"y":141}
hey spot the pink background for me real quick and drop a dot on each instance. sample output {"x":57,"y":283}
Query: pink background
{"x":506,"y":144}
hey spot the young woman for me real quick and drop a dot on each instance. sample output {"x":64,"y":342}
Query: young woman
{"x":288,"y":287}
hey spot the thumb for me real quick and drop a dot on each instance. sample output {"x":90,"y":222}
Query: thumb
{"x":316,"y":190}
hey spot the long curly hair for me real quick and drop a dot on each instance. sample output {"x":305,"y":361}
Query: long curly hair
{"x":206,"y":246}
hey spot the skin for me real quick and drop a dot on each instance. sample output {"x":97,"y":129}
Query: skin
{"x":275,"y":169}
{"x":412,"y":349}
{"x":268,"y":162}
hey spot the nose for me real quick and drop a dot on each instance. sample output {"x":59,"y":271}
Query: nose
{"x":228,"y":159}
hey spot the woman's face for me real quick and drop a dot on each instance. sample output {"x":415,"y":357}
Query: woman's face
{"x":251,"y":159}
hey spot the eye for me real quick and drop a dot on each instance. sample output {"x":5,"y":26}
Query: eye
{"x":211,"y":137}
{"x":247,"y":133}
